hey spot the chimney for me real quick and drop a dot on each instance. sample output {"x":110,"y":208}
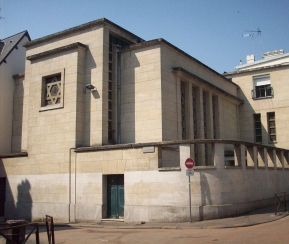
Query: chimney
{"x":250,"y":59}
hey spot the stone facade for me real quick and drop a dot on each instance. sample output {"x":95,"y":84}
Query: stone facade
{"x":108,"y":120}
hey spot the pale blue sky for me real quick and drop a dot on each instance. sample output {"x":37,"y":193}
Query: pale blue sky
{"x":209,"y":30}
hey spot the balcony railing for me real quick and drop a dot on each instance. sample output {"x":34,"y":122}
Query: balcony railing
{"x":262,"y":92}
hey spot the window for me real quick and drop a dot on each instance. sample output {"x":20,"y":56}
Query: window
{"x":183,"y":109}
{"x":271,"y":126}
{"x":258,"y":128}
{"x":262,"y":87}
{"x":114,"y":43}
{"x":52,"y":91}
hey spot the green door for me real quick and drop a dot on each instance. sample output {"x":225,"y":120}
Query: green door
{"x":115,"y":196}
{"x":2,"y":195}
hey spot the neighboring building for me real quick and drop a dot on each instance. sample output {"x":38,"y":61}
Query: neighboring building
{"x":12,"y":62}
{"x":263,"y":86}
{"x":108,"y":121}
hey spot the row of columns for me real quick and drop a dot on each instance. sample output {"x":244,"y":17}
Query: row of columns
{"x":207,"y":121}
{"x":256,"y":156}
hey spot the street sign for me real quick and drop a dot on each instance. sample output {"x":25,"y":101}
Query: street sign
{"x":189,"y":172}
{"x":190,"y":163}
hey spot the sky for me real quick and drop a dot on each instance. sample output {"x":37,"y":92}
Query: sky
{"x":209,"y":30}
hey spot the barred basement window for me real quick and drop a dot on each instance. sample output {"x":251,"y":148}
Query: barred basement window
{"x":271,"y":126}
{"x":52,"y":91}
{"x":258,"y":128}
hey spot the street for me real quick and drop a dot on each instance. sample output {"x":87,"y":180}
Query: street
{"x":272,"y":232}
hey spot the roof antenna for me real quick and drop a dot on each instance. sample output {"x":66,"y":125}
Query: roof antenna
{"x":258,"y":31}
{"x":1,"y":17}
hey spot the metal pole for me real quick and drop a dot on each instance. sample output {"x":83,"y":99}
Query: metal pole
{"x":190,"y":198}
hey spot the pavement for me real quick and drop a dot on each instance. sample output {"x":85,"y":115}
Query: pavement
{"x":256,"y":217}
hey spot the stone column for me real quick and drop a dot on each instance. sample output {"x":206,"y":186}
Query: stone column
{"x":218,"y":155}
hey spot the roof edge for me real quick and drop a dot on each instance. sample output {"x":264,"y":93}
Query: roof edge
{"x":256,"y":69}
{"x":161,"y":40}
{"x":77,"y":28}
{"x":56,"y":50}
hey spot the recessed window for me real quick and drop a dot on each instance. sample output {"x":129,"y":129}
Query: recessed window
{"x":258,"y":128}
{"x":262,"y":87}
{"x":52,"y":91}
{"x":271,"y":126}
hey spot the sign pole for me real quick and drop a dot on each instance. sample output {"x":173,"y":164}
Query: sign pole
{"x":190,"y":163}
{"x":190,"y":199}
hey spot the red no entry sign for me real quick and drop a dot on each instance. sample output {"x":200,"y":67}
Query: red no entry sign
{"x":190,"y":163}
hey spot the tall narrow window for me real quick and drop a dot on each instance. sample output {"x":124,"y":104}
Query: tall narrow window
{"x":183,"y":109}
{"x":258,"y":128}
{"x":214,"y":109}
{"x":110,"y":76}
{"x":195,"y":123}
{"x":205,"y":125}
{"x":271,"y":126}
{"x":114,"y":42}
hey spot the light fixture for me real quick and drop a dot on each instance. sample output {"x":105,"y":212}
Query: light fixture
{"x":89,"y":87}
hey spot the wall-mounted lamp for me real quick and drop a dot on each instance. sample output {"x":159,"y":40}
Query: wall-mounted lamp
{"x":89,"y":87}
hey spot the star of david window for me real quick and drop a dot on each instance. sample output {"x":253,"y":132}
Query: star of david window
{"x":53,"y":90}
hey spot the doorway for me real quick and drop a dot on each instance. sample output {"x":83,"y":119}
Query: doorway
{"x":2,"y":195}
{"x":115,"y":196}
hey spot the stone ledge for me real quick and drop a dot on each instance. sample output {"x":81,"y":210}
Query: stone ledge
{"x":14,"y":155}
{"x":204,"y":167}
{"x":56,"y":50}
{"x":233,"y":167}
{"x":169,"y":169}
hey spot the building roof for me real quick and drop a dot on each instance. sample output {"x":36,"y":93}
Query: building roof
{"x":229,"y":74}
{"x":262,"y":62}
{"x":8,"y":44}
{"x":78,"y":28}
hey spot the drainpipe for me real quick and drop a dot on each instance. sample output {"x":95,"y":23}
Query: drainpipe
{"x":118,"y":95}
{"x":69,"y":195}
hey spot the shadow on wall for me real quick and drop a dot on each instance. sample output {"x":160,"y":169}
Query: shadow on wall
{"x":24,"y":201}
{"x":22,"y":209}
{"x":206,"y":198}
